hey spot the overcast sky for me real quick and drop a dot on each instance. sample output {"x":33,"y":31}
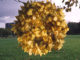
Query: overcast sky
{"x":9,"y":9}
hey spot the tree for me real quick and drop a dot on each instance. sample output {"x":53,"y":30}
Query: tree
{"x":4,"y":32}
{"x":74,"y":28}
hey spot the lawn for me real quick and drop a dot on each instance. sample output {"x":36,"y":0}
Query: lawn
{"x":9,"y":50}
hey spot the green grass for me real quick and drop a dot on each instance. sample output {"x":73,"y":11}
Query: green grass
{"x":9,"y":50}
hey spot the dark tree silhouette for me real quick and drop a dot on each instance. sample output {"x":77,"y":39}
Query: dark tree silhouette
{"x":74,"y":28}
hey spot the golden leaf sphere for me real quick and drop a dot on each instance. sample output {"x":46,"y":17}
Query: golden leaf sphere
{"x":40,"y":27}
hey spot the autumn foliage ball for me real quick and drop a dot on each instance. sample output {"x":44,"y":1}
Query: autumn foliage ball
{"x":40,"y":27}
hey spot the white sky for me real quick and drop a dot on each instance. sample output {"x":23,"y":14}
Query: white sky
{"x":74,"y":15}
{"x":9,"y":9}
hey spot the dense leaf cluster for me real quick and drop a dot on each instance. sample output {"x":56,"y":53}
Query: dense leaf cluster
{"x":40,"y":27}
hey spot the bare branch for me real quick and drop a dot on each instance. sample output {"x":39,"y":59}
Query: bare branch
{"x":18,"y":1}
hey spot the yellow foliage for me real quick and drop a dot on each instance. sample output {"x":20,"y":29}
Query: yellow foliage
{"x":40,"y":28}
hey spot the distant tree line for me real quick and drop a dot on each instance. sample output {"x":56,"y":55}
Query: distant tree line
{"x":5,"y":32}
{"x":74,"y":30}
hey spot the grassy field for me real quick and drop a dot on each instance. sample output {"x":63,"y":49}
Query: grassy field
{"x":71,"y":50}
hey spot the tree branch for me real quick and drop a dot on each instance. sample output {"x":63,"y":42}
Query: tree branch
{"x":18,"y":1}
